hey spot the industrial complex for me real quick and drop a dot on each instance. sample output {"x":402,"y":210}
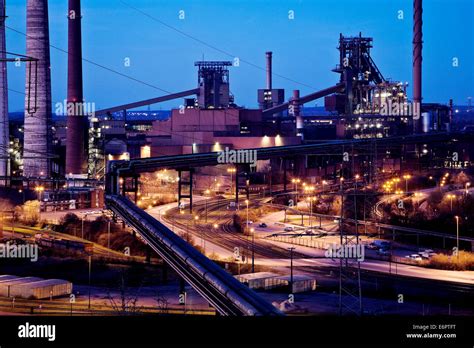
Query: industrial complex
{"x":344,"y":207}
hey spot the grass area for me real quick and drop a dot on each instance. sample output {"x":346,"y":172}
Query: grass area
{"x":463,"y":262}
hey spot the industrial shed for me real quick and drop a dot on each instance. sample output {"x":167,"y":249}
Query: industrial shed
{"x":268,"y":280}
{"x":41,"y":289}
{"x":4,"y":278}
{"x":6,"y":285}
{"x":301,"y":283}
{"x":258,"y":280}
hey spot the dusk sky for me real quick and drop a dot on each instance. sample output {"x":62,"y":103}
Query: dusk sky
{"x":304,"y":49}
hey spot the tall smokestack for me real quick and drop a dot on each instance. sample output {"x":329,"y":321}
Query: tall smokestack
{"x":295,"y":103}
{"x":37,"y":136}
{"x":4,"y":131}
{"x":269,"y":70}
{"x":417,"y":55}
{"x":76,"y":120}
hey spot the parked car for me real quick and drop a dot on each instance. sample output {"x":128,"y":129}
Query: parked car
{"x":379,"y":244}
{"x":415,"y":257}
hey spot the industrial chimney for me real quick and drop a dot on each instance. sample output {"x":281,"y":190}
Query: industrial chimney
{"x":76,"y":119}
{"x":4,"y":132}
{"x":295,"y":104}
{"x":269,"y":70}
{"x":37,"y":129}
{"x":417,"y":57}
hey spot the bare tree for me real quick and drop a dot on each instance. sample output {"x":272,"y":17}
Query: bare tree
{"x":126,"y":303}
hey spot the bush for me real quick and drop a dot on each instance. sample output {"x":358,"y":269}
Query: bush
{"x":463,"y":262}
{"x":28,"y":213}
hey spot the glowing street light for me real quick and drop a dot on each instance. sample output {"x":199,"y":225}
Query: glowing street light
{"x":39,"y":190}
{"x":295,"y":182}
{"x":231,"y":171}
{"x":451,"y":197}
{"x":406,"y":177}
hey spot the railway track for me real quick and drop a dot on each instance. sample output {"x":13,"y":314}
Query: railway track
{"x":226,"y":236}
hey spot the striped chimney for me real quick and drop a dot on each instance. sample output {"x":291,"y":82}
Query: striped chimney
{"x":37,"y":134}
{"x":4,"y":132}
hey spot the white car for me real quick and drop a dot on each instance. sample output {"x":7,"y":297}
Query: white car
{"x":415,"y":257}
{"x":289,"y":229}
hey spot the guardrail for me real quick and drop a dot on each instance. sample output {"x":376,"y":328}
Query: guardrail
{"x":227,"y":295}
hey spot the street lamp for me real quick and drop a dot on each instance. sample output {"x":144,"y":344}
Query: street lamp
{"x":324,"y":183}
{"x":451,"y":197}
{"x":39,"y":190}
{"x":247,"y":202}
{"x":296,"y":181}
{"x":406,"y":177}
{"x":457,"y":235}
{"x":231,"y":171}
{"x":466,"y":187}
{"x":311,"y":200}
{"x":207,"y":192}
{"x":252,"y":231}
{"x":291,"y":268}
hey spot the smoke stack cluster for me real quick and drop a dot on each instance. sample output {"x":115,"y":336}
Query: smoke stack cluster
{"x":4,"y":131}
{"x":37,"y":129}
{"x":417,"y":53}
{"x":269,"y":70}
{"x":76,"y":120}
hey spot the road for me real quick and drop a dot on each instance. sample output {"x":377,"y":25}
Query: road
{"x":275,"y":254}
{"x":225,"y":236}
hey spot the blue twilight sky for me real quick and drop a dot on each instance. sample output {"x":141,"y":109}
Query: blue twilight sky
{"x":304,"y":48}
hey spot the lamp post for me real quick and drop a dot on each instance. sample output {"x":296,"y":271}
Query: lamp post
{"x":356,"y":177}
{"x":247,"y":225}
{"x":466,"y":187}
{"x":451,"y":197}
{"x":82,"y":227}
{"x":406,"y":177}
{"x":108,"y":235}
{"x":291,"y":268}
{"x":207,"y":192}
{"x":231,"y":171}
{"x":296,"y":181}
{"x":252,"y":231}
{"x":39,"y":190}
{"x":90,"y":277}
{"x":457,"y":235}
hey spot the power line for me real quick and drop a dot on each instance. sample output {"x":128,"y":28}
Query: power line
{"x":15,"y":91}
{"x":93,"y":63}
{"x":210,"y":45}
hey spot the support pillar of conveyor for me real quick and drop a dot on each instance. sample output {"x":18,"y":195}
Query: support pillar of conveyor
{"x":182,"y":182}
